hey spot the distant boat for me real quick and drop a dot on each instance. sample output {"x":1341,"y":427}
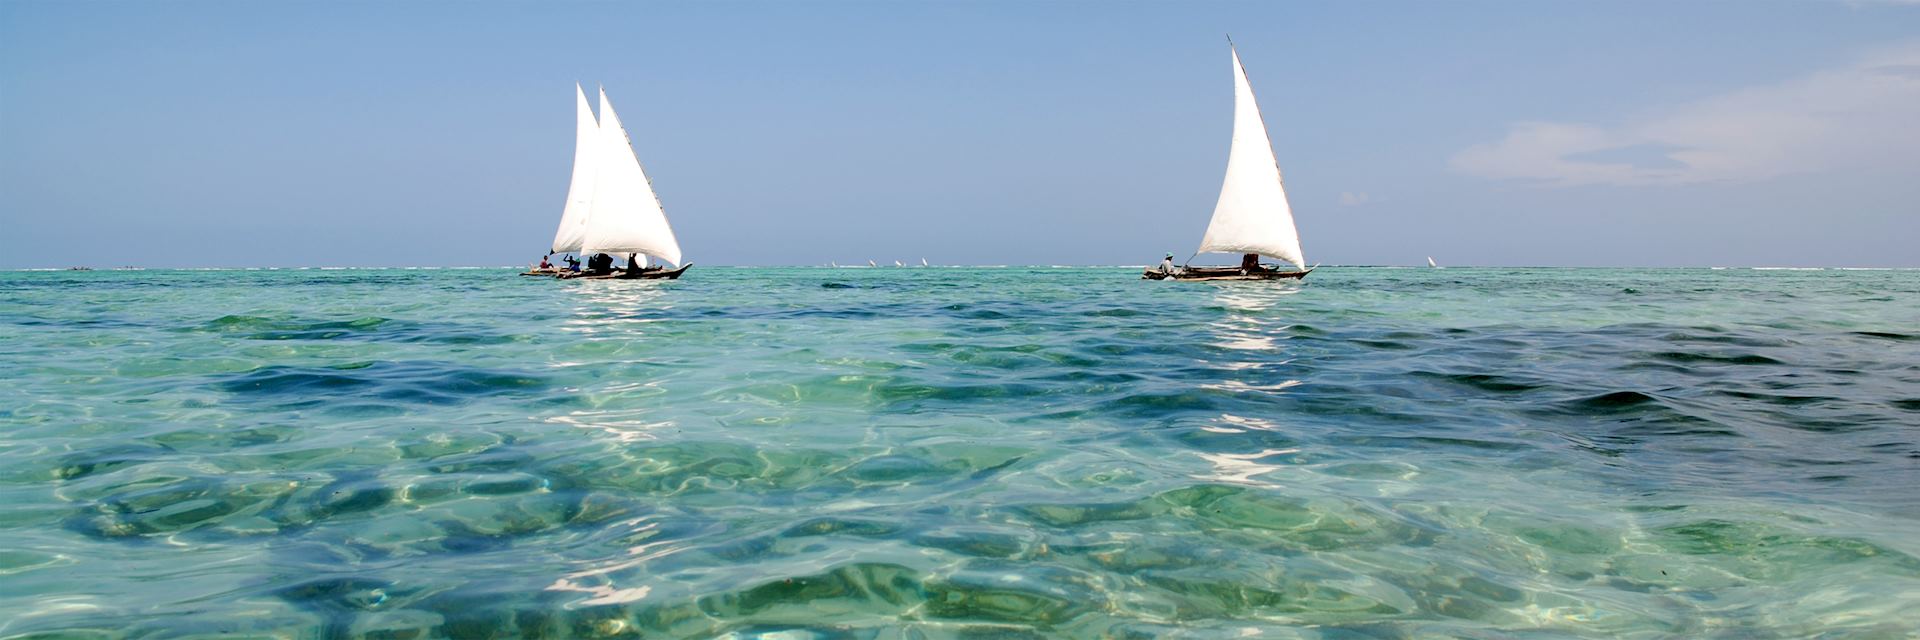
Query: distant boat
{"x":1431,"y":263}
{"x":897,"y":264}
{"x":871,"y":264}
{"x":833,"y":264}
{"x":923,"y":262}
{"x":611,"y":206}
{"x":1252,"y":216}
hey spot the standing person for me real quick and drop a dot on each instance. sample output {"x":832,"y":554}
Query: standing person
{"x":633,"y":264}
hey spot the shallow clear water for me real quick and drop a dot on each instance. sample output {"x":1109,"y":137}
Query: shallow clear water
{"x":801,"y":453}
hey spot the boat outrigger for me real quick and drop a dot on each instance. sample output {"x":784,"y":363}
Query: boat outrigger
{"x":611,"y":207}
{"x":1252,"y":217}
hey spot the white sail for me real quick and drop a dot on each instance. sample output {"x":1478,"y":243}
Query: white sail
{"x":1431,"y":263}
{"x":1252,"y":215}
{"x":626,"y":216}
{"x":586,"y":156}
{"x":923,"y":262}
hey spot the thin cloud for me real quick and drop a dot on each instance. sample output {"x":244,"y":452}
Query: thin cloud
{"x":1866,"y":114}
{"x":1351,"y":199}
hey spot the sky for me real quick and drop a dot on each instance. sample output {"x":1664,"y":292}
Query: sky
{"x":177,"y":134}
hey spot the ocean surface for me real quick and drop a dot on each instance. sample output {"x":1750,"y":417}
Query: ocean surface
{"x":960,"y":452}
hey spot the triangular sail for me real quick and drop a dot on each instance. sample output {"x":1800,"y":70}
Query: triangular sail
{"x":626,"y":216}
{"x":586,"y":163}
{"x":1252,"y":215}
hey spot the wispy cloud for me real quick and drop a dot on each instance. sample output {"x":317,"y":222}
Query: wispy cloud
{"x":1864,"y":114}
{"x":1352,"y":199}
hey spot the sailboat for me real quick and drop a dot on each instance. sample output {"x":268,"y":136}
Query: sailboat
{"x":1431,"y":263}
{"x":611,"y":206}
{"x":1252,"y":216}
{"x":923,"y":262}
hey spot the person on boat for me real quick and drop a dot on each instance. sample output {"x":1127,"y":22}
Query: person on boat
{"x":1166,"y":265}
{"x":1250,"y":263}
{"x":600,"y":264}
{"x":544,"y":264}
{"x":633,"y":264}
{"x":573,"y":264}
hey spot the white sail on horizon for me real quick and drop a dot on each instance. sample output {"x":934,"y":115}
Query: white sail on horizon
{"x":586,"y":151}
{"x":1252,"y":214}
{"x":626,"y":216}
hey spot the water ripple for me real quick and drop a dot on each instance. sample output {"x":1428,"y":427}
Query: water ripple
{"x":815,"y":453}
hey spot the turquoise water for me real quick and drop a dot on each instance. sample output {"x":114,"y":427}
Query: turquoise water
{"x":945,"y":452}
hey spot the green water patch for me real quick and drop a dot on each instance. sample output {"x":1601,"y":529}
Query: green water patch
{"x":978,"y":542}
{"x":1202,"y":593}
{"x":1036,"y":596}
{"x":1234,"y":515}
{"x":1013,"y":357}
{"x":80,"y":464}
{"x":214,"y":439}
{"x":1765,"y":552}
{"x":707,"y":467}
{"x":1560,"y":537}
{"x":910,"y":394}
{"x":697,"y":468}
{"x":849,"y":591}
{"x":277,"y":328}
{"x":158,"y":505}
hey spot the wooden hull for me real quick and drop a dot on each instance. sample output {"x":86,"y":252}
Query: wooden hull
{"x":1223,"y":274}
{"x":652,"y":274}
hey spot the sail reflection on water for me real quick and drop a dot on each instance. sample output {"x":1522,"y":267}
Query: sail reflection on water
{"x":599,"y":581}
{"x":616,"y":309}
{"x":1245,"y":468}
{"x":622,"y":313}
{"x":1251,"y":331}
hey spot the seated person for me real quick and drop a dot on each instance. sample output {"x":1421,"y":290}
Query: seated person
{"x":600,"y":264}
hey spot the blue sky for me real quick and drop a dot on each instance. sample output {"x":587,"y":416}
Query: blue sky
{"x":1480,"y":133}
